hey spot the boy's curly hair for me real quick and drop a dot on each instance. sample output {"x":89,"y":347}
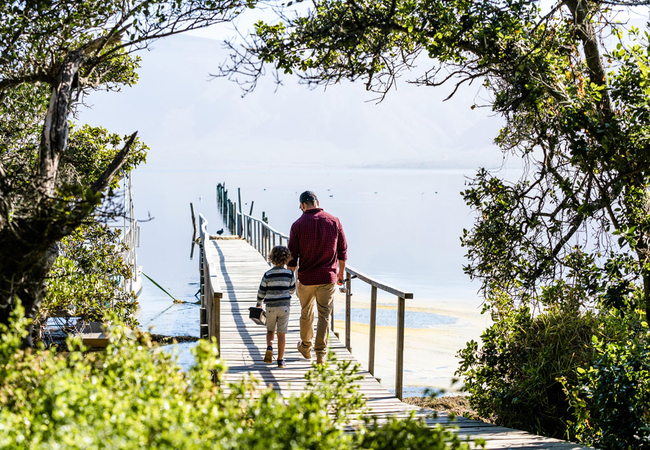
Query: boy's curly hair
{"x":280,"y":255}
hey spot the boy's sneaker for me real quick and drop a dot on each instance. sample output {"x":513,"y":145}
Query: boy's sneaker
{"x":268,"y":356}
{"x":282,"y":363}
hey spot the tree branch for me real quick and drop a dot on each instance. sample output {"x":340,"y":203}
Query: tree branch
{"x":118,"y":162}
{"x":585,"y":29}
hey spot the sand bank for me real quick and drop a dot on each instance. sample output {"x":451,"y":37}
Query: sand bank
{"x":436,"y":331}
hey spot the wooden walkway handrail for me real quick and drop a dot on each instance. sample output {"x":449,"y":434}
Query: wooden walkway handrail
{"x":263,"y":237}
{"x":378,"y":284}
{"x":211,"y":293}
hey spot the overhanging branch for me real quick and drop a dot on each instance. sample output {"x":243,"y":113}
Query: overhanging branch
{"x":118,"y":162}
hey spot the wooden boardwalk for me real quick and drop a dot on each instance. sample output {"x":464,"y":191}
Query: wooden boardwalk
{"x":239,"y":268}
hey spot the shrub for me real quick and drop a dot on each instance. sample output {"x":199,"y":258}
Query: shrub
{"x":514,"y":377}
{"x":84,"y":279}
{"x":611,"y":400}
{"x":134,"y":395}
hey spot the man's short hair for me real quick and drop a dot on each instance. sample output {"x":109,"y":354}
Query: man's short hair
{"x":308,"y":197}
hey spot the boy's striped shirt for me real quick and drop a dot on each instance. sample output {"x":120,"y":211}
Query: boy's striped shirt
{"x":276,"y":287}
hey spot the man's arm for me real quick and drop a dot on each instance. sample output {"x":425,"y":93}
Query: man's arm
{"x":341,"y":253}
{"x":341,"y":272}
{"x":293,"y":248}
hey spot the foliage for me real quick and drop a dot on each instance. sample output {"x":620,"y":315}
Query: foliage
{"x":134,"y":395}
{"x":611,"y":400}
{"x":84,"y":278}
{"x":573,"y":86}
{"x":53,"y":175}
{"x":514,"y":376}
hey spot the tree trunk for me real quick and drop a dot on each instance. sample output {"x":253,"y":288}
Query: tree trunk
{"x":23,"y":280}
{"x":646,"y":294}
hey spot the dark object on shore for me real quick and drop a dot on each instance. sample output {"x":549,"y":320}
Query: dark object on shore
{"x":220,"y":232}
{"x":166,"y":340}
{"x":455,"y":404}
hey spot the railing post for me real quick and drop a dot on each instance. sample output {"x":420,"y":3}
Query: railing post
{"x":373,"y":329}
{"x":233,"y":218}
{"x":348,"y":313}
{"x":399,"y":359}
{"x":215,"y":318}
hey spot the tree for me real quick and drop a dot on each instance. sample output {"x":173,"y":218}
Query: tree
{"x":573,"y":85}
{"x":53,"y":53}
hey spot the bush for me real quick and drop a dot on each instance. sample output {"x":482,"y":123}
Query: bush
{"x":84,"y":280}
{"x":514,"y":378}
{"x":611,"y":400}
{"x":135,"y":396}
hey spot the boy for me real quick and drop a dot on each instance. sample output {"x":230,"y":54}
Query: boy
{"x":276,"y":287}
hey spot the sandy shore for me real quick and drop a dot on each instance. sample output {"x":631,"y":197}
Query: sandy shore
{"x":430,"y":349}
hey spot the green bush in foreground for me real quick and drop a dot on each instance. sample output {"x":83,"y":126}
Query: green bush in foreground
{"x":135,"y":396}
{"x":611,"y":400}
{"x":514,"y":376}
{"x":565,"y":372}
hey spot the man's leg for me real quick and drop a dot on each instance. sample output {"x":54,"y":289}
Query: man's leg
{"x":306,"y":294}
{"x":324,"y":300}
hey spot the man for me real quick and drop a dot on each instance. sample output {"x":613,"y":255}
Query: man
{"x":317,"y":244}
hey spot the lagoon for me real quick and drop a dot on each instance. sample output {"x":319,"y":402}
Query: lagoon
{"x":402,"y":227}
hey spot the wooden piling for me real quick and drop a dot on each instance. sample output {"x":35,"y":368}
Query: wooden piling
{"x":399,"y":359}
{"x":348,"y":313}
{"x":373,"y":329}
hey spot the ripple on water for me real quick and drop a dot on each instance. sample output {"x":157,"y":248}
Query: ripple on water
{"x":388,"y":318}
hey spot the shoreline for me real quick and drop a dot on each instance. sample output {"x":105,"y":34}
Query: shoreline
{"x":430,"y":348}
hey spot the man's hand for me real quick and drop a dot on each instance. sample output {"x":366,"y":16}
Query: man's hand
{"x":341,"y":279}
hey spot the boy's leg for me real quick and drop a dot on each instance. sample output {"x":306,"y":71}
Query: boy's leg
{"x":282,"y":340}
{"x":283,"y":327}
{"x":271,"y":319}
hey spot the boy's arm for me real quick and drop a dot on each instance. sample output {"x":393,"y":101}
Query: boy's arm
{"x":292,"y":286}
{"x":261,"y":292}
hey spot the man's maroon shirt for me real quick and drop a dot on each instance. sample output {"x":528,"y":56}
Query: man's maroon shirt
{"x":317,"y":242}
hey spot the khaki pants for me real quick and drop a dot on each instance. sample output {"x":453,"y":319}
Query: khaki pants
{"x":324,"y":296}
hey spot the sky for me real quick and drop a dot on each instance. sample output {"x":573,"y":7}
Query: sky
{"x":190,"y":119}
{"x":186,"y":117}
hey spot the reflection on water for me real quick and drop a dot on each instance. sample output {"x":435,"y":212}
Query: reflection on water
{"x":388,"y":318}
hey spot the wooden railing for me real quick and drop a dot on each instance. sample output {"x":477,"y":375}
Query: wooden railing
{"x":211,"y":293}
{"x":130,"y":237}
{"x":263,"y":237}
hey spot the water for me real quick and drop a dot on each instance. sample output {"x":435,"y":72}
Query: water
{"x":402,"y":227}
{"x":388,"y":318}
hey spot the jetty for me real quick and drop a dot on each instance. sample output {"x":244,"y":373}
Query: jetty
{"x":230,"y":271}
